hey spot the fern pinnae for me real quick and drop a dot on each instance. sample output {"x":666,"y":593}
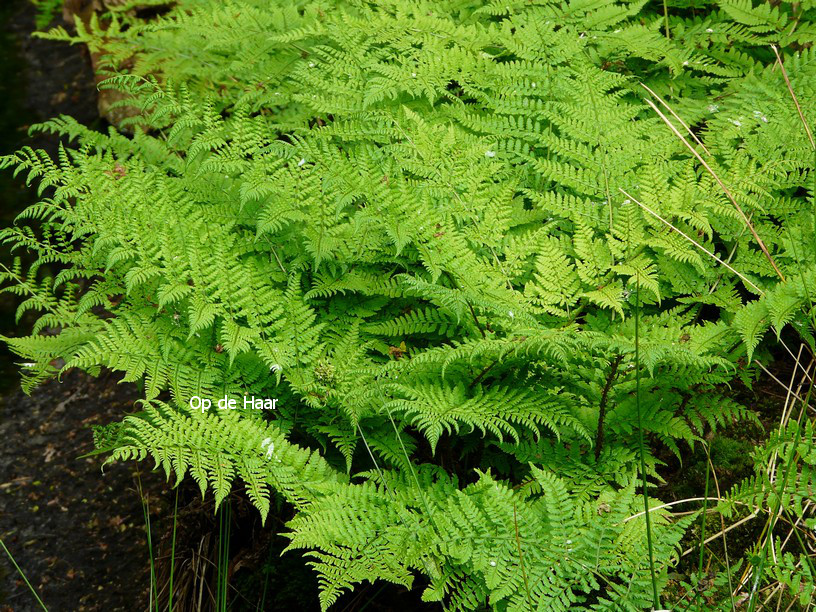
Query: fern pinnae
{"x":444,"y":226}
{"x":703,"y":516}
{"x":745,"y":279}
{"x":723,"y":187}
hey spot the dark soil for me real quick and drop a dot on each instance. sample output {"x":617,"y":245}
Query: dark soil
{"x":77,"y":532}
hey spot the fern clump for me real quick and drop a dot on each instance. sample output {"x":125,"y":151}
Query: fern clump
{"x":421,"y":227}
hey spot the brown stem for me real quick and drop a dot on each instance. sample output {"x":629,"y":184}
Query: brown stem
{"x":521,"y":557}
{"x":599,"y":437}
{"x":481,"y":375}
{"x":476,"y":320}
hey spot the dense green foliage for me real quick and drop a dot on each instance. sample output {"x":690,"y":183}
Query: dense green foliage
{"x":417,"y":225}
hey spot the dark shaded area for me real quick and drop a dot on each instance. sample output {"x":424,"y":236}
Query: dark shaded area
{"x":78,"y":533}
{"x":39,"y":79}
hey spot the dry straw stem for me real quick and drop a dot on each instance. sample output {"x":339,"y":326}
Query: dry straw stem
{"x":722,"y":532}
{"x":676,"y":116}
{"x":717,"y":259}
{"x":688,"y":500}
{"x":790,"y":403}
{"x":722,"y":525}
{"x":793,"y":95}
{"x":673,"y":503}
{"x":745,"y":279}
{"x":780,"y":383}
{"x":722,"y":186}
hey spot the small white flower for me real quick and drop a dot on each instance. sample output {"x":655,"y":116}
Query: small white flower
{"x":270,"y":451}
{"x":533,"y":84}
{"x":302,"y":161}
{"x":736,"y":123}
{"x":713,"y":108}
{"x":265,"y":442}
{"x":29,"y":364}
{"x":709,"y":30}
{"x":413,"y":74}
{"x":569,"y":542}
{"x":311,"y":65}
{"x":625,"y":202}
{"x":275,"y":367}
{"x":617,"y":31}
{"x":685,"y":63}
{"x":510,"y":313}
{"x":582,"y":35}
{"x":492,"y":564}
{"x":490,"y":153}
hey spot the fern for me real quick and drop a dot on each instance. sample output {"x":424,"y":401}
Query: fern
{"x":406,"y":223}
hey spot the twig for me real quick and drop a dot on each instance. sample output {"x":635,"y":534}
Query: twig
{"x":599,"y":437}
{"x":751,"y":516}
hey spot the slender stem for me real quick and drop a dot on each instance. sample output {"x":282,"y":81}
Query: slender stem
{"x":521,"y":558}
{"x":702,"y":534}
{"x":641,"y":445}
{"x":722,"y":531}
{"x":19,"y":571}
{"x":154,"y":587}
{"x":482,"y":374}
{"x":173,"y":552}
{"x":475,"y":319}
